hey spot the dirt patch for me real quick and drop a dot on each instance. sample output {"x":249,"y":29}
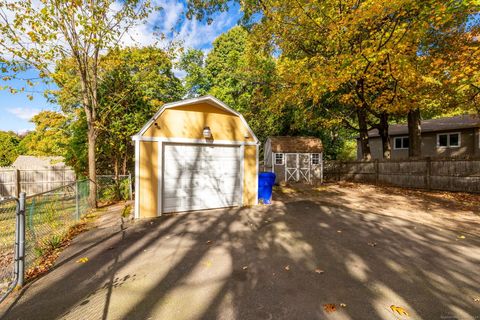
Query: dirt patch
{"x":459,"y":212}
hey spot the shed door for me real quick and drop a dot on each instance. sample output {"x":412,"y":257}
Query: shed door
{"x":199,"y":177}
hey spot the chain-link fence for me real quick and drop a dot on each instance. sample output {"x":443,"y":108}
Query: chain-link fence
{"x":49,"y":216}
{"x":33,"y":227}
{"x":8,"y":216}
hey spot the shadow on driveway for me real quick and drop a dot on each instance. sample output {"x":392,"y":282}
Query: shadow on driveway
{"x":284,"y":261}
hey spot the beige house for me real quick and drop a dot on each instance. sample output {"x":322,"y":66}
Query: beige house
{"x":192,"y":155}
{"x":294,"y":159}
{"x":441,"y":138}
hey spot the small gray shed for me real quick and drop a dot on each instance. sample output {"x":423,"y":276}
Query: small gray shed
{"x":294,"y":159}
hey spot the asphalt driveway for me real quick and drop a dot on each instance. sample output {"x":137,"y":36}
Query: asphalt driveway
{"x":298,"y":259}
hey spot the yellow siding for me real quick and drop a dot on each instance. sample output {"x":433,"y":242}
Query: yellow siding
{"x":148,"y":179}
{"x":250,"y":176}
{"x":189,"y":121}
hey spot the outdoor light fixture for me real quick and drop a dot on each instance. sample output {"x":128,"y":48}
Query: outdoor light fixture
{"x":246,"y":135}
{"x":207,"y":133}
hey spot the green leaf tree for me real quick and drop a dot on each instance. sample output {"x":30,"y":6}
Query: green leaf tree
{"x":49,"y":137}
{"x":37,"y":34}
{"x":136,"y":82}
{"x":8,"y":148}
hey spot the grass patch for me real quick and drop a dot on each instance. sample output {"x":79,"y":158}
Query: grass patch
{"x":49,"y":249}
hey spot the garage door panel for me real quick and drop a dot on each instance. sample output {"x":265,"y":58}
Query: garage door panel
{"x":200,"y":177}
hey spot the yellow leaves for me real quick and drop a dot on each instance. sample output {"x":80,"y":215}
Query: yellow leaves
{"x":461,"y":237}
{"x":329,"y":307}
{"x":82,"y":260}
{"x":401,"y":311}
{"x":33,"y":36}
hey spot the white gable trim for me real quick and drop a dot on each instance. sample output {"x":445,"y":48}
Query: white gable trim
{"x":207,"y":98}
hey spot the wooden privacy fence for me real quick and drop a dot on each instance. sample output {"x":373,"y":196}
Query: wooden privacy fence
{"x":430,"y":174}
{"x":33,"y":181}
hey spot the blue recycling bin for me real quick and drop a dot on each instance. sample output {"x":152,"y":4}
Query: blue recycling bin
{"x":266,"y":180}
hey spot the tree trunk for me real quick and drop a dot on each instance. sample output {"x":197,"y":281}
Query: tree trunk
{"x":92,"y":167}
{"x":363,"y":129}
{"x":414,"y":134}
{"x":115,"y":168}
{"x":124,"y":165}
{"x":383,"y":132}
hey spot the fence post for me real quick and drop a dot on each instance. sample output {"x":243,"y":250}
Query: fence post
{"x":77,"y":200}
{"x":130,"y":185}
{"x":16,"y":177}
{"x":20,"y":252}
{"x":428,"y":173}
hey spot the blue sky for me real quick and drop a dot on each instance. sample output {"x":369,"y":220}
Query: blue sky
{"x":16,"y":109}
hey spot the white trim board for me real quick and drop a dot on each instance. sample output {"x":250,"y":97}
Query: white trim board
{"x":207,"y":99}
{"x":137,"y":179}
{"x":194,"y":141}
{"x":160,"y":179}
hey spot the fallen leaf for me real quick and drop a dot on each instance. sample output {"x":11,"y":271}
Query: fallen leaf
{"x":461,"y":237}
{"x":245,"y":267}
{"x":398,"y":310}
{"x":209,"y":242}
{"x":372,"y":244}
{"x":476,"y":299}
{"x":339,"y":231}
{"x":320,"y":271}
{"x":82,"y":260}
{"x":207,"y":264}
{"x":343,"y":305}
{"x":287,"y":268}
{"x":329,"y":307}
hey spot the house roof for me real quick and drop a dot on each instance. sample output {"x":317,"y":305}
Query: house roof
{"x":32,"y":162}
{"x":203,"y":99}
{"x":434,"y":125}
{"x":286,"y":144}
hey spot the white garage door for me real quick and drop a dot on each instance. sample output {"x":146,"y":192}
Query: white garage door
{"x":199,"y":177}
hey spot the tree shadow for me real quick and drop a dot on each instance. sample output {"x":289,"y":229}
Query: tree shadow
{"x":266,"y":262}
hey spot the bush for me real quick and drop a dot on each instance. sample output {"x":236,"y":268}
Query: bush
{"x":115,"y":191}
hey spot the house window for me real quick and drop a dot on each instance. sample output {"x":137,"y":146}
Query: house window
{"x":448,"y":140}
{"x":315,"y":158}
{"x":401,"y":143}
{"x":279,"y":159}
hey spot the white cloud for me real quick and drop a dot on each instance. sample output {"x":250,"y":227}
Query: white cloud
{"x":171,"y":23}
{"x":24,"y":113}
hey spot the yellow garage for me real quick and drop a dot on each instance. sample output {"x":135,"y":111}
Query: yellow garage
{"x":195,"y":154}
